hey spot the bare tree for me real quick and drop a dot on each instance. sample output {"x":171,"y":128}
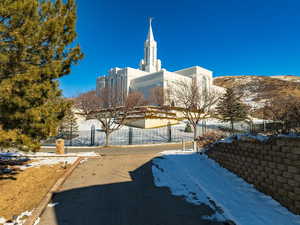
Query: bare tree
{"x":114,"y":109}
{"x":135,"y":98}
{"x":87,"y":102}
{"x":284,"y":110}
{"x":197,"y":105}
{"x":157,"y":96}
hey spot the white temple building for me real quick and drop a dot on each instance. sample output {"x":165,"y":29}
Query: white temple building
{"x":150,"y":74}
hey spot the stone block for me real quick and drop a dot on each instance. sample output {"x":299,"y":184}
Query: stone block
{"x":268,"y":158}
{"x":278,"y":160}
{"x":287,"y":175}
{"x":264,"y":163}
{"x":275,"y":148}
{"x":295,"y":163}
{"x":288,"y":162}
{"x":293,"y":169}
{"x":281,"y":192}
{"x":295,"y":150}
{"x":297,"y":190}
{"x":297,"y":178}
{"x":292,"y":182}
{"x":277,"y":172}
{"x":272,"y":165}
{"x":282,"y":179}
{"x":290,"y":156}
{"x":286,"y":149}
{"x":291,"y":195}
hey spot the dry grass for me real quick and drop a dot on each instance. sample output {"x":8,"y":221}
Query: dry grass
{"x":25,"y":193}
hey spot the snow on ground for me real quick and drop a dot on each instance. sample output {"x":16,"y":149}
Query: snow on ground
{"x":200,"y":179}
{"x":259,"y":137}
{"x":37,"y":162}
{"x":45,"y":154}
{"x":45,"y":158}
{"x":20,"y":220}
{"x":52,"y":204}
{"x":77,"y":154}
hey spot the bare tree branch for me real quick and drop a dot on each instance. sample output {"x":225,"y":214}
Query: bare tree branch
{"x":197,"y":104}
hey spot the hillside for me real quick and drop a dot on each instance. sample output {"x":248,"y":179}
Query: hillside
{"x":257,"y":90}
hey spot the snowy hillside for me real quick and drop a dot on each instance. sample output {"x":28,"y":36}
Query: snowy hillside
{"x":287,"y":78}
{"x":257,"y":90}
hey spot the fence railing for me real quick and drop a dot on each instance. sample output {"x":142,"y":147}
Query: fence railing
{"x":135,"y":136}
{"x":131,"y":136}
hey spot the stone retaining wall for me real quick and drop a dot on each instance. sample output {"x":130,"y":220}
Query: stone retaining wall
{"x":273,"y":167}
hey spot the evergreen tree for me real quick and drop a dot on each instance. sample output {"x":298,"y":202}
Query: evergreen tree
{"x":69,"y":127}
{"x":35,"y":39}
{"x":188,"y":128}
{"x":231,"y":109}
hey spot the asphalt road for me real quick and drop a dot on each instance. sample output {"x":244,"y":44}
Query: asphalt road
{"x":118,"y":189}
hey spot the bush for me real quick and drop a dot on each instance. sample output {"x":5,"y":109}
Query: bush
{"x":209,"y":138}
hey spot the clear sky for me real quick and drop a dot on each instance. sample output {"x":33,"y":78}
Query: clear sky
{"x":229,"y":37}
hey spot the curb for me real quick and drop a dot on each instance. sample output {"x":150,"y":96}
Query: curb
{"x":62,"y":156}
{"x":147,"y":145}
{"x":118,"y":146}
{"x":44,"y":202}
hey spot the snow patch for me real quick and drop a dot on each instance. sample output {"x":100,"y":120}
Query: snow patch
{"x":258,"y":137}
{"x":52,"y":204}
{"x":48,"y":161}
{"x":20,"y":220}
{"x":199,"y":179}
{"x":78,"y":154}
{"x":37,"y":221}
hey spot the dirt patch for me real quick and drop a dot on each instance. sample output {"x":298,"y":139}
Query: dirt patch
{"x":27,"y":189}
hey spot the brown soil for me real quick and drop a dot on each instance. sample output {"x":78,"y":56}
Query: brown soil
{"x":27,"y":189}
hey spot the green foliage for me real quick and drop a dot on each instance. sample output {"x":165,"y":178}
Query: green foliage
{"x":188,"y":128}
{"x":231,"y":109}
{"x":35,"y":39}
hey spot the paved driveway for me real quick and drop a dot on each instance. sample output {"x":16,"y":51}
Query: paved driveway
{"x":119,"y":190}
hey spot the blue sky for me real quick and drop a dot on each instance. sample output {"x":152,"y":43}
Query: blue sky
{"x":229,"y":37}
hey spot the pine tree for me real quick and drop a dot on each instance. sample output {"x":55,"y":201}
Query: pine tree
{"x":188,"y":128}
{"x":35,"y":39}
{"x":69,"y":127}
{"x":231,"y":109}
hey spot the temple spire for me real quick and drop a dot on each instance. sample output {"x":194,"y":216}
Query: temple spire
{"x":150,"y":63}
{"x":150,"y":36}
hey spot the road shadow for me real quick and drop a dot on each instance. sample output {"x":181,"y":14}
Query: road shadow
{"x":137,"y":202}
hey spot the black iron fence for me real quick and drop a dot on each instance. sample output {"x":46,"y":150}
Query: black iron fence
{"x":132,"y":136}
{"x":177,"y":133}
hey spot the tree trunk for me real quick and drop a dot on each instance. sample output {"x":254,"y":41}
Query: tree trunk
{"x":71,"y":134}
{"x":107,"y":138}
{"x":195,"y":131}
{"x":232,"y":126}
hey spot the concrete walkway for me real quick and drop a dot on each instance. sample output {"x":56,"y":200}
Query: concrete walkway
{"x":118,"y":189}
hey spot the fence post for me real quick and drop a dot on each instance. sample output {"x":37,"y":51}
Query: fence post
{"x":93,"y":135}
{"x":130,"y":136}
{"x":183,"y":145}
{"x":169,"y":132}
{"x":60,"y":146}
